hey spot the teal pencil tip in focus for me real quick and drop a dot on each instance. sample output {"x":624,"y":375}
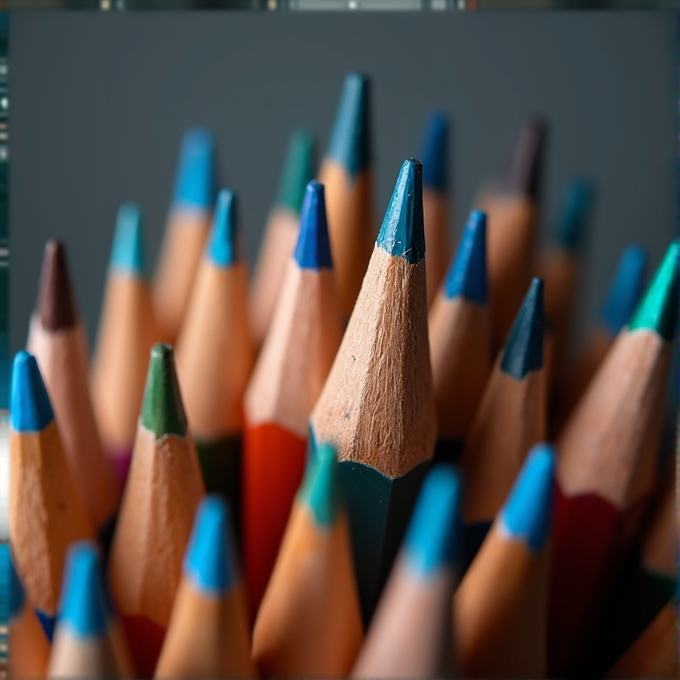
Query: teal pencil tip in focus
{"x":320,"y":489}
{"x":350,"y":143}
{"x":222,"y":244}
{"x":313,"y":249}
{"x":434,"y":532}
{"x":211,"y":562}
{"x":127,"y":254}
{"x":403,"y":232}
{"x":30,"y":408}
{"x":523,"y":351}
{"x":467,"y":275}
{"x":658,"y":310}
{"x":195,"y":181}
{"x":84,"y":605}
{"x":527,"y":512}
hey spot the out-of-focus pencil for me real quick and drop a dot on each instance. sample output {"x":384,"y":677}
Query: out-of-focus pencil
{"x":126,"y":333}
{"x":377,"y":406}
{"x":208,"y":635}
{"x":163,"y":491}
{"x":500,"y":607}
{"x":215,"y":355}
{"x":280,"y":232}
{"x":346,"y":172}
{"x":460,"y":340}
{"x":186,"y":231}
{"x":434,"y":153}
{"x":294,"y":363}
{"x":309,"y":624}
{"x":410,"y":636}
{"x":45,"y":513}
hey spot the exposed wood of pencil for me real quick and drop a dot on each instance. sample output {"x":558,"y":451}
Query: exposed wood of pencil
{"x":288,"y":378}
{"x":655,"y":653}
{"x":58,"y":343}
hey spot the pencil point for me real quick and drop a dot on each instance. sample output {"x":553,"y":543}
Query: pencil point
{"x":222,"y":246}
{"x":313,"y":249}
{"x":467,"y":275}
{"x":195,"y":180}
{"x":162,"y":408}
{"x":31,"y":410}
{"x":524,"y":174}
{"x":10,"y":582}
{"x":320,"y":490}
{"x":84,"y":604}
{"x":527,"y":511}
{"x":658,"y":310}
{"x":210,"y":562}
{"x":297,"y":170}
{"x":625,"y":290}
{"x":402,"y":233}
{"x":127,"y":254}
{"x":350,"y":143}
{"x":523,"y":350}
{"x":56,"y":304}
{"x":574,"y":213}
{"x":432,"y":535}
{"x":434,"y":152}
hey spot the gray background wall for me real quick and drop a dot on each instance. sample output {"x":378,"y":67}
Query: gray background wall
{"x":99,"y":102}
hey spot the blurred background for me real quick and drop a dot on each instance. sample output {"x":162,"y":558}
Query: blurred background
{"x":99,"y":102}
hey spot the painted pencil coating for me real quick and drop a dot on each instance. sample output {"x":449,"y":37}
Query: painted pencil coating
{"x":222,"y":244}
{"x":313,"y":249}
{"x":467,"y":276}
{"x":434,"y":152}
{"x":195,"y":179}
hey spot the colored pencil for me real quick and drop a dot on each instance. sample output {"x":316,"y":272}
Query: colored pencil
{"x":45,"y":511}
{"x":501,"y":605}
{"x":558,"y":266}
{"x":346,"y":172}
{"x":57,"y":340}
{"x":511,"y":418}
{"x":654,"y":654}
{"x":85,"y":644}
{"x":215,"y":354}
{"x":377,"y":406}
{"x":410,"y":636}
{"x":29,"y":649}
{"x":607,"y":466}
{"x":280,"y":232}
{"x":186,"y":231}
{"x":511,"y":227}
{"x":434,"y":152}
{"x":623,"y":296}
{"x":293,"y":365}
{"x":460,"y":340}
{"x":162,"y":493}
{"x":309,"y":624}
{"x":208,"y":635}
{"x":126,"y":333}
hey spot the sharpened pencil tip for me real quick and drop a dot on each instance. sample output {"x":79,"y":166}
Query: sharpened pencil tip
{"x":523,"y":350}
{"x":127,"y":254}
{"x":222,"y":245}
{"x":434,"y":152}
{"x":434,"y":531}
{"x":574,"y":213}
{"x":524,"y":173}
{"x":56,"y":303}
{"x":350,"y":143}
{"x":31,"y":410}
{"x":403,"y":233}
{"x":625,"y":290}
{"x":313,"y":249}
{"x":298,"y":169}
{"x":162,"y":408}
{"x":10,"y":583}
{"x":527,"y":511}
{"x":320,"y":489}
{"x":658,"y":310}
{"x":195,"y":181}
{"x":467,"y":275}
{"x":210,"y":561}
{"x":84,"y":604}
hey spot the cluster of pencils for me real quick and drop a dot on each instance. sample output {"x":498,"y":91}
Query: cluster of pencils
{"x":420,"y":478}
